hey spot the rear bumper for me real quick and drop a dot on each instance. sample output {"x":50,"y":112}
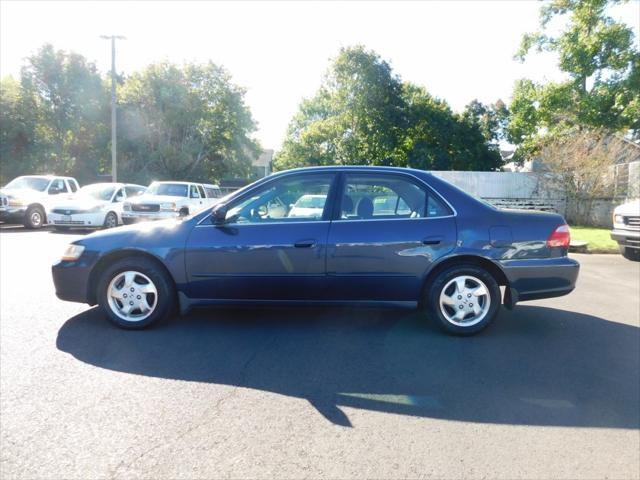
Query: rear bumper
{"x":540,"y":278}
{"x":626,"y":238}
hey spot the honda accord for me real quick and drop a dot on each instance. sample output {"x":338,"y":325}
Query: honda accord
{"x":377,"y":236}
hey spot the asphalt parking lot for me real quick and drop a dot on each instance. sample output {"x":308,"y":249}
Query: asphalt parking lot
{"x":549,"y":390}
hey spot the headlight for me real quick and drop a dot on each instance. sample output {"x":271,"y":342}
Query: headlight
{"x":72,"y":252}
{"x":14,"y":202}
{"x":168,"y":207}
{"x":126,"y":206}
{"x":618,"y":218}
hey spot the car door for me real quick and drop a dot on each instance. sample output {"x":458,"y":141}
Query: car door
{"x":388,"y":230}
{"x":260,"y":252}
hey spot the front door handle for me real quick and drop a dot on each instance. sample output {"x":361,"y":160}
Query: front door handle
{"x":432,"y":240}
{"x":305,"y":243}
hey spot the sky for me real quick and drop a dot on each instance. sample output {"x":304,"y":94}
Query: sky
{"x":279,"y":51}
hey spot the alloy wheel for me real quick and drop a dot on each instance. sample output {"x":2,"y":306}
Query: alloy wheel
{"x":132,"y":296}
{"x":465,"y":301}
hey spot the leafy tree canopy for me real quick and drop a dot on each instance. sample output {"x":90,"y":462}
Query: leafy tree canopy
{"x":363,"y":114}
{"x":602,"y":64}
{"x":184,"y":123}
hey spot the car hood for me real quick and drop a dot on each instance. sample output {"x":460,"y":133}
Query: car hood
{"x":22,"y":193}
{"x":79,"y":203}
{"x":630,"y":208}
{"x":146,"y":198}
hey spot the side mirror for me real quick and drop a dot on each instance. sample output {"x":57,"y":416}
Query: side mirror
{"x":219,"y":214}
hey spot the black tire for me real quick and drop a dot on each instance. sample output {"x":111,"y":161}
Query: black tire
{"x":443,"y":282}
{"x":164,"y":301}
{"x":632,"y":254}
{"x":183,"y":212}
{"x":110,"y":220}
{"x":34,"y":217}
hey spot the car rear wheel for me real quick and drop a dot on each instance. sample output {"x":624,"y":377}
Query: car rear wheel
{"x":135,"y":293}
{"x":111,"y":220}
{"x":35,"y":217}
{"x":463,"y":299}
{"x":632,"y":254}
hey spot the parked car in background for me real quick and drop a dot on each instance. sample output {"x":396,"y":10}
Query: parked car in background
{"x":26,"y":199}
{"x":94,"y":206}
{"x":626,"y":229}
{"x":308,"y":206}
{"x":445,"y":253}
{"x":164,"y":200}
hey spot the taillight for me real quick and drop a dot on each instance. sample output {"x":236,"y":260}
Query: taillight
{"x":560,"y":237}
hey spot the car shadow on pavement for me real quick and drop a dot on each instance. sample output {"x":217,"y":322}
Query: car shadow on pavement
{"x":533,"y":366}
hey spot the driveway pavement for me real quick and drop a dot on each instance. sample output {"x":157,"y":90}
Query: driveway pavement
{"x":551,"y":389}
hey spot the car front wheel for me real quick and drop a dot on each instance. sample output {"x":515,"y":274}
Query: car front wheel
{"x":135,"y":293}
{"x":34,"y":217}
{"x":463,"y":299}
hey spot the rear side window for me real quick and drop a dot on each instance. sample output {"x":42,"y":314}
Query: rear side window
{"x":201,"y":191}
{"x":380,"y":196}
{"x":73,"y":185}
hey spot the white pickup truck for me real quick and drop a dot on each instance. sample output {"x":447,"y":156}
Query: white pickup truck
{"x":26,"y":199}
{"x":626,"y":229}
{"x":166,"y":200}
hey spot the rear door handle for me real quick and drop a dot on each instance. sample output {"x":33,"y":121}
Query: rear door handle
{"x":432,"y":240}
{"x":305,"y":243}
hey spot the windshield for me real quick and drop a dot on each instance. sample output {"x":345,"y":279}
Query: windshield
{"x":31,"y":183}
{"x":311,"y":201}
{"x":98,"y":191}
{"x":171,"y":189}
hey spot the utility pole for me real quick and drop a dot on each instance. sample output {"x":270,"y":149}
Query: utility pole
{"x":114,"y":167}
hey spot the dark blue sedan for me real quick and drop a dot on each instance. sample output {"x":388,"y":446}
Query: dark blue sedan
{"x":331,"y":236}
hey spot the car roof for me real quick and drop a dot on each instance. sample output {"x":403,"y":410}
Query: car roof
{"x":176,"y":182}
{"x":358,"y":168}
{"x":210,"y":185}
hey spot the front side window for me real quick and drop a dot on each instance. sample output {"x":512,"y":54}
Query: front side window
{"x":73,"y":185}
{"x":58,"y":186}
{"x":379,"y":196}
{"x":300,"y":198}
{"x":201,"y":191}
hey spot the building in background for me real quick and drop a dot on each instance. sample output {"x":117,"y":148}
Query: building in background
{"x":262,"y":166}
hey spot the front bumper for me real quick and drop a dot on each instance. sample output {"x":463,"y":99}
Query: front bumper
{"x":71,"y":279}
{"x":12,"y":213}
{"x":626,"y":238}
{"x":80,"y":220}
{"x":133,"y":217}
{"x":540,"y":278}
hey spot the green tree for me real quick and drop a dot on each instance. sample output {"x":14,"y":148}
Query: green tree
{"x":18,"y":120}
{"x":438,"y":139}
{"x":184,"y":123}
{"x":602,"y":65}
{"x":363,"y":114}
{"x":355,"y":118}
{"x":67,"y":96}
